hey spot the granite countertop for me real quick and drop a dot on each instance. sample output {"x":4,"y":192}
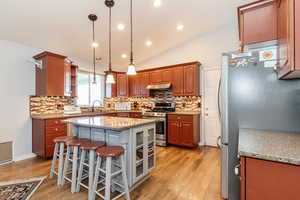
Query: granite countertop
{"x":185,"y":113}
{"x":270,"y":145}
{"x":110,"y":123}
{"x":84,"y":114}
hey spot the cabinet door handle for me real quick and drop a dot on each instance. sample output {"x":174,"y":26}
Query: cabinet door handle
{"x":56,"y":129}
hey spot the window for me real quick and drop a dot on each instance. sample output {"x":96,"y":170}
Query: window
{"x":88,"y":92}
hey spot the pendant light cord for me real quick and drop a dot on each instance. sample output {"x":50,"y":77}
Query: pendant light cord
{"x":94,"y":53}
{"x":109,"y":40}
{"x":131,"y":35}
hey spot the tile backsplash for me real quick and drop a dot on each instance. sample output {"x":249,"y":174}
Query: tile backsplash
{"x":49,"y":104}
{"x":183,"y":103}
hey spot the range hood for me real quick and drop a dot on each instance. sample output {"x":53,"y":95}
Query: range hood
{"x":159,"y":86}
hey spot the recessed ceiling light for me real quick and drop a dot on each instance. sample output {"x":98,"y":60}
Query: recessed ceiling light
{"x":95,"y":44}
{"x":121,"y":27}
{"x":157,"y":3}
{"x":124,"y":56}
{"x":180,"y":27}
{"x":148,"y":43}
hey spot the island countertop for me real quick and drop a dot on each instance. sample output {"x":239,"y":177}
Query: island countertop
{"x":270,"y":145}
{"x":110,"y":123}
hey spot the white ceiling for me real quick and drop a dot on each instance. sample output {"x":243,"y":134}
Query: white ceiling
{"x":62,"y":25}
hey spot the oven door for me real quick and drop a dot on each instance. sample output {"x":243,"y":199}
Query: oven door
{"x":160,"y":127}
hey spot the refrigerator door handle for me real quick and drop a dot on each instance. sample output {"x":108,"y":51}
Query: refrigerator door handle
{"x":219,"y":89}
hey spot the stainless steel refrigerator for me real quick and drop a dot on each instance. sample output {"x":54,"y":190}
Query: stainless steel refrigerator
{"x":251,"y":96}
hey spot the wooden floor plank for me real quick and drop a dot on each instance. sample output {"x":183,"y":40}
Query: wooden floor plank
{"x":181,"y":174}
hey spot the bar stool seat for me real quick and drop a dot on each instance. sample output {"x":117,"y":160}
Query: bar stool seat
{"x":76,"y":142}
{"x":87,"y":161}
{"x":110,"y":151}
{"x":92,"y":145}
{"x":72,"y":145}
{"x":112,"y":174}
{"x":63,"y":139}
{"x":59,"y":150}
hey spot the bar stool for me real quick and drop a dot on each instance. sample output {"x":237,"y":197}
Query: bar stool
{"x":89,"y":162}
{"x":108,"y":153}
{"x":59,"y":153}
{"x":72,"y":145}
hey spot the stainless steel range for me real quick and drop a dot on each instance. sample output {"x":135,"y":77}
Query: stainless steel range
{"x":159,"y":112}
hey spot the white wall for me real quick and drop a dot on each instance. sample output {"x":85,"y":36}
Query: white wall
{"x":205,"y":48}
{"x":17,"y":82}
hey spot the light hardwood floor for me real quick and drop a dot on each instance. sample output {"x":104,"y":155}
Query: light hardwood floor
{"x":181,"y":174}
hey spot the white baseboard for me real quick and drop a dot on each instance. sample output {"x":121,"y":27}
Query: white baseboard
{"x":24,"y":157}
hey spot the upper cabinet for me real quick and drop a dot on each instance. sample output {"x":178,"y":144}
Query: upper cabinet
{"x":122,"y":85}
{"x":257,"y":22}
{"x":184,"y":79}
{"x":155,"y":77}
{"x":53,"y":77}
{"x":288,"y":39}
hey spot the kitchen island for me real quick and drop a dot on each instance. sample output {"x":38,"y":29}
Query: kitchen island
{"x":136,"y":136}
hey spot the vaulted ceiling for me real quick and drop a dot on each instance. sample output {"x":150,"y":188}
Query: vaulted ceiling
{"x":62,"y":25}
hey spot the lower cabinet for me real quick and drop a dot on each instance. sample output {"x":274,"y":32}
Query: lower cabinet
{"x":268,"y":180}
{"x":43,"y":133}
{"x":144,"y":151}
{"x":183,"y":130}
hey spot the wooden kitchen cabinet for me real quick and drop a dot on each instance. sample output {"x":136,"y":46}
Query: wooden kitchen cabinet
{"x":144,"y":81}
{"x":288,"y":39}
{"x":167,"y":76}
{"x":53,"y":77}
{"x":268,"y":180}
{"x":74,"y":73}
{"x":155,"y":77}
{"x":191,"y":80}
{"x":43,"y":133}
{"x":178,"y":81}
{"x":257,"y":22}
{"x":122,"y":85}
{"x":184,"y":130}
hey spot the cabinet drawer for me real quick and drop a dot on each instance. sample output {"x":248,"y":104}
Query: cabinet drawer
{"x":50,"y":138}
{"x":53,"y":122}
{"x":186,"y":118}
{"x":56,"y":130}
{"x":49,"y":150}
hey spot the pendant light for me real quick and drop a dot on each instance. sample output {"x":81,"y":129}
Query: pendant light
{"x":93,"y":18}
{"x":131,"y":67}
{"x":110,"y":78}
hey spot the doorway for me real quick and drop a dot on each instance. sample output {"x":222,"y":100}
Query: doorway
{"x":210,"y":119}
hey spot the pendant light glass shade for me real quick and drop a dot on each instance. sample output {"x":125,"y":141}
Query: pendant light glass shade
{"x":110,"y":79}
{"x":131,"y":70}
{"x":131,"y":67}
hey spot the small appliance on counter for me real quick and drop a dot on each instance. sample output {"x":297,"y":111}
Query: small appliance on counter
{"x":123,"y":106}
{"x":71,"y":110}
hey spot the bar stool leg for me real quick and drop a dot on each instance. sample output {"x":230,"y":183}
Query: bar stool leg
{"x":54,"y":161}
{"x":124,"y":177}
{"x":91,"y":171}
{"x":74,"y":169}
{"x":95,"y":184}
{"x":66,"y":165}
{"x":60,"y":164}
{"x":82,"y":158}
{"x":108,"y":178}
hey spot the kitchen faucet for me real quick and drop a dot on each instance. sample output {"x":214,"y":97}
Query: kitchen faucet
{"x":94,"y":102}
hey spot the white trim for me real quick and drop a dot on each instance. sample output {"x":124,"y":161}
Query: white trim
{"x":203,"y":70}
{"x":24,"y":157}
